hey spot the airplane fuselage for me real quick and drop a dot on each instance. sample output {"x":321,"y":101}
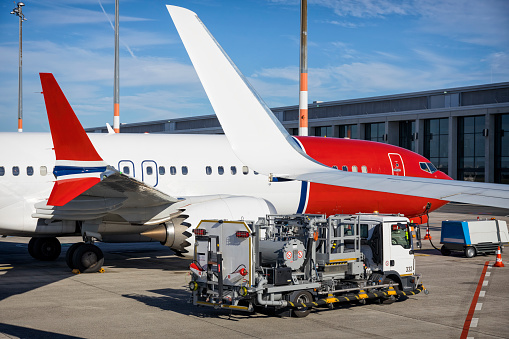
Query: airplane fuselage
{"x":205,"y":165}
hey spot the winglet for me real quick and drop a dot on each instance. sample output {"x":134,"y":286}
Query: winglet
{"x":78,"y":165}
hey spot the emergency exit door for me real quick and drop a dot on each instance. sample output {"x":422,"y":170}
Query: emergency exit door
{"x":149,"y":172}
{"x":398,"y":168}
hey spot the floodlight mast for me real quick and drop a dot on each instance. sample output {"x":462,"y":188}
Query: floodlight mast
{"x":116,"y":104}
{"x":19,"y":13}
{"x":303,"y":83}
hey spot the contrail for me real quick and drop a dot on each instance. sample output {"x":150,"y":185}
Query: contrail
{"x":113,"y":27}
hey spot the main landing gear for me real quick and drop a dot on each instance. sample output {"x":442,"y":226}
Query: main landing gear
{"x":85,"y":257}
{"x":44,"y":248}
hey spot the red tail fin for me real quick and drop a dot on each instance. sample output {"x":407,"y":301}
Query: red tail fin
{"x":69,"y":138}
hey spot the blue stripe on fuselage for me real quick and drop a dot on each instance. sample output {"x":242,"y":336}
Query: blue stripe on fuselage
{"x":69,"y":170}
{"x":303,"y":197}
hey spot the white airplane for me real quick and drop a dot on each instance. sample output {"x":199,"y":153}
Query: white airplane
{"x":139,"y":187}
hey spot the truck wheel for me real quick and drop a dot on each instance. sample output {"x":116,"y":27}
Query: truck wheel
{"x":470,"y":252}
{"x":445,"y":250}
{"x":301,"y":297}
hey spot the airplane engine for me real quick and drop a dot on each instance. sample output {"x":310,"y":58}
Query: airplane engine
{"x":177,"y":233}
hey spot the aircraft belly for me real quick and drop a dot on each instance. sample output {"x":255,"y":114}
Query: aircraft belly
{"x":326,"y":199}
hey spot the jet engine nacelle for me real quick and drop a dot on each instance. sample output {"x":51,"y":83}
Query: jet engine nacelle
{"x":177,"y":233}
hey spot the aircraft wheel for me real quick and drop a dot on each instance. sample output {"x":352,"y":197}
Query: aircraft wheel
{"x":301,"y":297}
{"x":31,"y":245}
{"x":69,"y":254}
{"x":88,"y":258}
{"x":46,"y":249}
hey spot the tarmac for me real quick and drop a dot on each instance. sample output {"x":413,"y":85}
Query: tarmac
{"x":143,"y":293}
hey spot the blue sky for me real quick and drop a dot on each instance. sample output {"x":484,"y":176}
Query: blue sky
{"x":357,"y":48}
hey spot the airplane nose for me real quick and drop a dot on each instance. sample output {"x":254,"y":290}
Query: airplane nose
{"x":442,"y":175}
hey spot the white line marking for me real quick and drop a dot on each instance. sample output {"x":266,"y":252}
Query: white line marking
{"x":474,"y":322}
{"x":141,"y":258}
{"x":485,"y":283}
{"x":488,"y":274}
{"x":478,"y":307}
{"x":482,"y":294}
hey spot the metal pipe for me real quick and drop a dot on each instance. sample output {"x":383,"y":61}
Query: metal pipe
{"x":261,"y":301}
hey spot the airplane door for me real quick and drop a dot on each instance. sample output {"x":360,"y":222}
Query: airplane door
{"x":149,"y":172}
{"x":126,"y":167}
{"x":398,"y":168}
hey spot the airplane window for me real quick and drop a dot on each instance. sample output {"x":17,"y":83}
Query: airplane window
{"x":43,"y":170}
{"x":2,"y":170}
{"x":184,"y":170}
{"x":256,"y":173}
{"x":354,"y":168}
{"x":173,"y":170}
{"x":424,"y":167}
{"x":245,"y":170}
{"x":234,"y":170}
{"x":345,"y":168}
{"x":220,"y":170}
{"x":208,"y":170}
{"x":150,"y":171}
{"x":336,"y":167}
{"x":364,"y":169}
{"x":30,"y":171}
{"x":15,"y":170}
{"x":162,"y":170}
{"x":126,"y":170}
{"x":432,"y":167}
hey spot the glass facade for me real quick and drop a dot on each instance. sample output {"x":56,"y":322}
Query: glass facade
{"x":471,"y":148}
{"x":502,"y":148}
{"x":436,"y":142}
{"x":406,"y":134}
{"x":348,"y":131}
{"x":323,"y":131}
{"x":375,"y":131}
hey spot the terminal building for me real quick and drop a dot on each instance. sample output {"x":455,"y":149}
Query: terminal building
{"x":463,"y":131}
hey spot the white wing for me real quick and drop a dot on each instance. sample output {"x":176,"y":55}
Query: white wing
{"x":262,"y":143}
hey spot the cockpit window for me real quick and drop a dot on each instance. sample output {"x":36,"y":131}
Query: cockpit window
{"x":428,"y":167}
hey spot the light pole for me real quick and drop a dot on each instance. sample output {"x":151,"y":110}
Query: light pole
{"x":18,"y":12}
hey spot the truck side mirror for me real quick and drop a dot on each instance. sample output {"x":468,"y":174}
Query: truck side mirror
{"x":417,"y":229}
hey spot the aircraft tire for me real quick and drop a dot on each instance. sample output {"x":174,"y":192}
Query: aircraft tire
{"x":31,"y":245}
{"x":69,"y":254}
{"x":46,"y":249}
{"x":88,"y":258}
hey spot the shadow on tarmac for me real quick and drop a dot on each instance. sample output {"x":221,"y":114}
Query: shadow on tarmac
{"x":29,"y":333}
{"x":20,"y":273}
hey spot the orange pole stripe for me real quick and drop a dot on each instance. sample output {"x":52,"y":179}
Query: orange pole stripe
{"x":303,"y":122}
{"x":20,"y":123}
{"x":303,"y":81}
{"x":116,"y":110}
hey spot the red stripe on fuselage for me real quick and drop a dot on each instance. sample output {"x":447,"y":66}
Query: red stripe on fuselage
{"x":326,"y":199}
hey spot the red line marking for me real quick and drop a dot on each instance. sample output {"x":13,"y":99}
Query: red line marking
{"x":468,"y":320}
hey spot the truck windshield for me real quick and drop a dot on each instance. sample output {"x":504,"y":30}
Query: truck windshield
{"x":400,"y":236}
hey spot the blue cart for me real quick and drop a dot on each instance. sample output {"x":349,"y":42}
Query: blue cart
{"x":473,"y":237}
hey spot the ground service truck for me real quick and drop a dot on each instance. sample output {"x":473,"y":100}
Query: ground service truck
{"x":292,"y":263}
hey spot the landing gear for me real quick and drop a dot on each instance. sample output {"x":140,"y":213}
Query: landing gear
{"x":46,"y":249}
{"x":87,"y":258}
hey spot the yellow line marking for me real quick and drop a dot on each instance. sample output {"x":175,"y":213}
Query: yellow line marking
{"x":6,"y":268}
